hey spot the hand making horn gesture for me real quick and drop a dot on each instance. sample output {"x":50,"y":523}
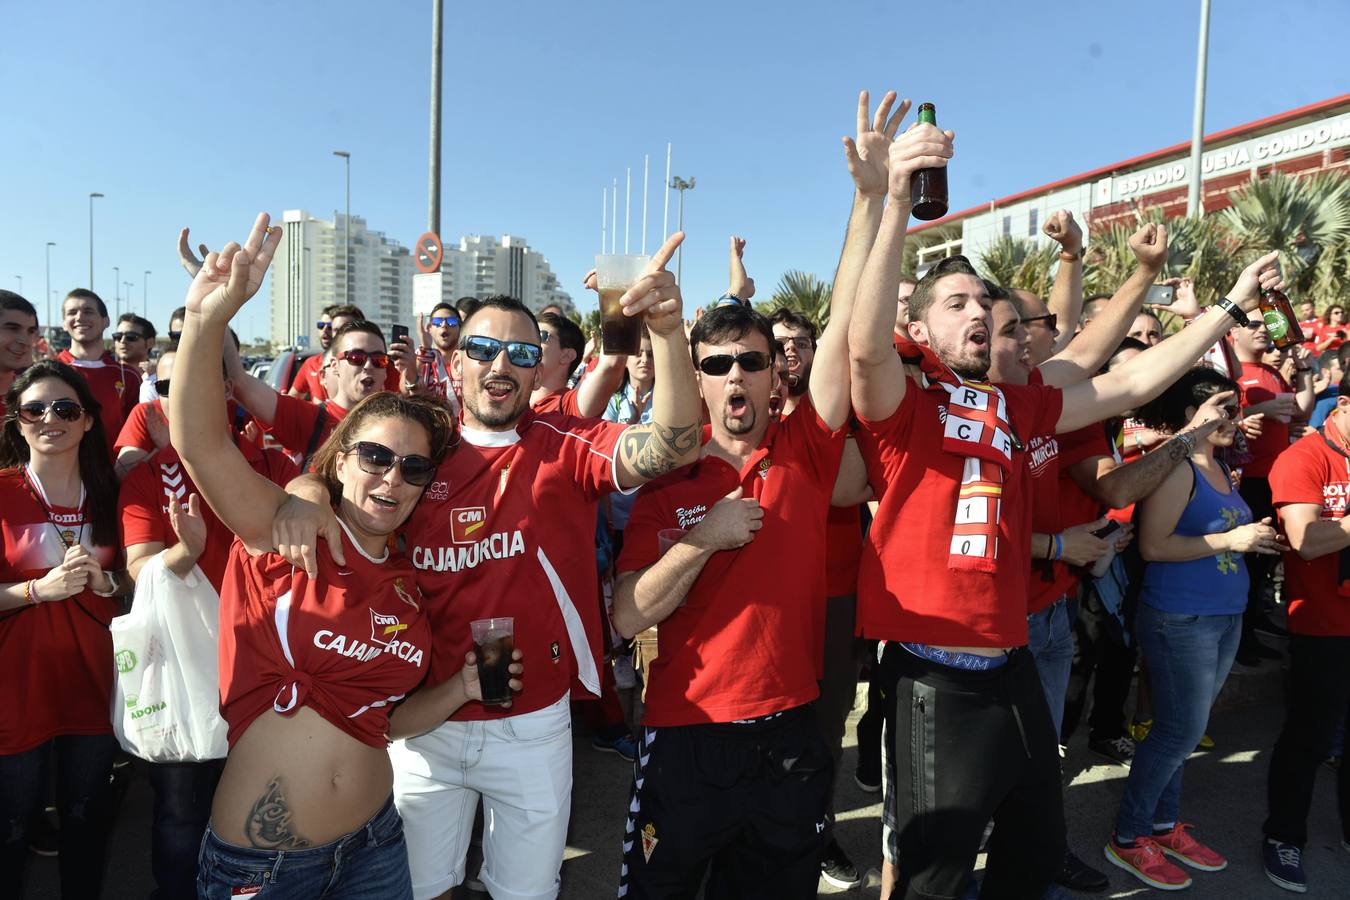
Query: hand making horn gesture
{"x":656,"y":296}
{"x":229,"y":278}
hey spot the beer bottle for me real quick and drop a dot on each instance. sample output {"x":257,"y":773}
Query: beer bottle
{"x":1281,"y":323}
{"x":928,"y":190}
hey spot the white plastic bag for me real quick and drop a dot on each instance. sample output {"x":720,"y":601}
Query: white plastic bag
{"x":166,"y":698}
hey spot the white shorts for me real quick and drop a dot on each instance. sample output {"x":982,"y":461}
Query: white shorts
{"x":522,"y":768}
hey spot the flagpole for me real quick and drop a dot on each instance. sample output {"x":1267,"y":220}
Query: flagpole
{"x":627,"y":206}
{"x":645,"y":158}
{"x":604,"y":217}
{"x":665,"y":215}
{"x":614,"y":217}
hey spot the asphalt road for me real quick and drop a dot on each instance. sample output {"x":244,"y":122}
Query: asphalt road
{"x":1224,"y":796}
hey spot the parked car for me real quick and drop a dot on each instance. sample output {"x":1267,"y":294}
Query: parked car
{"x":284,"y":367}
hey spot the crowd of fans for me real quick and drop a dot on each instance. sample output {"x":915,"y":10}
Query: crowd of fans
{"x":997,"y":506}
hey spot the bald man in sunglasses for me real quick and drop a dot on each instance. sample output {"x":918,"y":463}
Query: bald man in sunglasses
{"x":506,"y":529}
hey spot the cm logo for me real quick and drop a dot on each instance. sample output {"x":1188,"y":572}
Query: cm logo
{"x":466,"y":522}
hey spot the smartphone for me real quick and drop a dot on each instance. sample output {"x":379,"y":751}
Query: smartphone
{"x":398,"y":333}
{"x":1107,"y":530}
{"x":1161,"y":295}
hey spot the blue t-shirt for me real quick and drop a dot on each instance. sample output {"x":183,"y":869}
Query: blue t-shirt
{"x":1326,"y":402}
{"x":1212,"y":585}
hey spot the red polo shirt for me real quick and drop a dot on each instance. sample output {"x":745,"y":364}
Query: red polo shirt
{"x":115,"y":386}
{"x":296,"y":422}
{"x":906,"y":590}
{"x":746,"y":642}
{"x":1259,"y":383}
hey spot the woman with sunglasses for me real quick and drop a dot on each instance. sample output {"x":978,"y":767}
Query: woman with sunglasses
{"x":59,"y":590}
{"x":311,"y":662}
{"x":1193,"y":532}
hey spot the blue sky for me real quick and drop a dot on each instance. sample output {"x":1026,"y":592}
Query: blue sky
{"x":201,"y":116}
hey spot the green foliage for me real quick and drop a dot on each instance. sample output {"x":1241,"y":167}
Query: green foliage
{"x":1013,"y":262}
{"x":1293,"y":214}
{"x":802,"y":292}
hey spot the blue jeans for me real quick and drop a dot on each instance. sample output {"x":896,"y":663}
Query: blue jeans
{"x":371,"y":863}
{"x":1050,"y":640}
{"x":183,"y":793}
{"x":1188,"y":658}
{"x":83,"y":766}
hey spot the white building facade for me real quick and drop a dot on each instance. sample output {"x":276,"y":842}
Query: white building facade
{"x":483,"y":265}
{"x":309,"y":274}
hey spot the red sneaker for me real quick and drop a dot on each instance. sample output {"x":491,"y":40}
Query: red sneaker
{"x":1179,"y":844}
{"x":1145,"y":861}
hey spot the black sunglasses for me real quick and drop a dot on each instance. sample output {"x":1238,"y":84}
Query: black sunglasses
{"x":1051,"y":320}
{"x":126,"y":336}
{"x":377,"y":459}
{"x":451,"y":321}
{"x":162,"y":387}
{"x":34,"y":410}
{"x":721,"y":363}
{"x":358,"y":358}
{"x":485,"y":349}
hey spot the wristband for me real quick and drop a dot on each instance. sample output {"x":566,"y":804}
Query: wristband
{"x":1188,"y":443}
{"x":1066,"y":256}
{"x":1059,"y":548}
{"x":29,"y":594}
{"x":1233,"y":310}
{"x":112,"y":590}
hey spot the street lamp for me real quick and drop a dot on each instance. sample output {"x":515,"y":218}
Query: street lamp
{"x":50,"y":245}
{"x":346,"y":228}
{"x":681,"y":185}
{"x":145,"y":295}
{"x":1194,"y":200}
{"x":117,"y":291}
{"x":128,"y":285}
{"x":91,"y":239}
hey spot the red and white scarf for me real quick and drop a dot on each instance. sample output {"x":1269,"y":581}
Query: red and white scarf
{"x":975,"y":427}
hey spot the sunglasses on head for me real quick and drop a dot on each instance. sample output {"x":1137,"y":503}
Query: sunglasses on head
{"x":162,"y":387}
{"x":34,"y":410}
{"x":377,"y":459}
{"x":359,"y":358}
{"x":485,"y":349}
{"x":125,"y":336}
{"x":721,"y":363}
{"x":1051,"y":320}
{"x":438,"y":321}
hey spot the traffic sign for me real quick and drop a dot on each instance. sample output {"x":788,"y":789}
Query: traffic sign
{"x":429,"y":252}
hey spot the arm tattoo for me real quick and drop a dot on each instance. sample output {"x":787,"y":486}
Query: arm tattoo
{"x":655,"y":449}
{"x":269,"y":822}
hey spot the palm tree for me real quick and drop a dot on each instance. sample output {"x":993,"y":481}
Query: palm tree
{"x":803,"y":293}
{"x":1019,"y":263}
{"x":1305,"y":218}
{"x":929,"y":237}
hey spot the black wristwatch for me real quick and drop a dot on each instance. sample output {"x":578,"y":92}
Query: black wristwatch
{"x":1233,"y":310}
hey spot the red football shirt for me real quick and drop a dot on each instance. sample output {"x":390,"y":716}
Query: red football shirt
{"x":746,"y":642}
{"x":307,"y":379}
{"x":56,"y":656}
{"x":1326,"y":331}
{"x":508,"y":529}
{"x":1310,"y":327}
{"x":348,"y":644}
{"x":1059,"y":503}
{"x":144,"y":504}
{"x":562,"y":402}
{"x":906,"y":590}
{"x":1310,"y":471}
{"x":1259,"y":383}
{"x":115,"y":386}
{"x":296,"y":421}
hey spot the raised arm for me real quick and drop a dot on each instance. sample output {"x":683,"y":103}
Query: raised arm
{"x":245,"y":501}
{"x":739,"y":283}
{"x":877,"y":377}
{"x":600,"y":384}
{"x":866,"y":156}
{"x":1089,"y":350}
{"x":1149,"y":373}
{"x":254,"y":394}
{"x":1066,"y":296}
{"x":671,"y":439}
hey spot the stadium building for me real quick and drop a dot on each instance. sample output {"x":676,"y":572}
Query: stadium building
{"x":1309,"y":139}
